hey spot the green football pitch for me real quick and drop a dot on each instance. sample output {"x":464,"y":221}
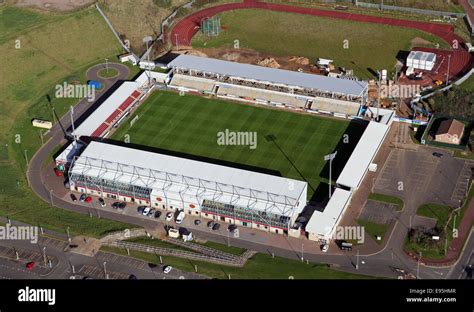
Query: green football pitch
{"x":288,"y":144}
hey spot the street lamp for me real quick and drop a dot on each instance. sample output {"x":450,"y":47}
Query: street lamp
{"x":330,"y":157}
{"x":447,"y":72}
{"x":105,"y":269}
{"x":107,"y":65}
{"x":147,"y":40}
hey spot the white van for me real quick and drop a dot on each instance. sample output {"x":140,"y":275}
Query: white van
{"x":173,"y":233}
{"x":180,"y":217}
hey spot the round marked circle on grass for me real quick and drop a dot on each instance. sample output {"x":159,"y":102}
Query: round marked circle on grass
{"x":108,"y":74}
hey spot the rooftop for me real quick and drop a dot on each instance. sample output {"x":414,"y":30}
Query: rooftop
{"x":156,"y":171}
{"x":270,"y":75}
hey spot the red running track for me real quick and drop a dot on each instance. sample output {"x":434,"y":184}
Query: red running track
{"x":461,"y":60}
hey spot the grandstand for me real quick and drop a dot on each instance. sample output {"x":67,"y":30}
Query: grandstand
{"x":270,"y":86}
{"x":322,"y":224}
{"x":236,"y":196}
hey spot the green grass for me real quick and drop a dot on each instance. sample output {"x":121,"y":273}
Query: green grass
{"x":468,"y":84}
{"x":374,"y":229}
{"x":261,"y":266}
{"x":439,"y":212}
{"x":388,"y":199}
{"x":160,"y":243}
{"x":189,"y":125}
{"x":110,"y":74}
{"x":54,"y":48}
{"x":370,"y":45}
{"x":156,"y":242}
{"x":229,"y":249}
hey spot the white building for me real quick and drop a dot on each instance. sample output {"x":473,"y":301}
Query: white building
{"x":421,"y":60}
{"x":231,"y":195}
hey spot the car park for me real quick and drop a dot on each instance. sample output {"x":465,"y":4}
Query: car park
{"x":140,"y":209}
{"x":119,"y":205}
{"x":197,"y":222}
{"x":146,"y":211}
{"x":210,"y":224}
{"x":82,"y":198}
{"x":102,"y":202}
{"x":216,"y":226}
{"x":436,"y":154}
{"x":88,"y":199}
{"x":169,"y":216}
{"x":167,"y":269}
{"x":73,"y":197}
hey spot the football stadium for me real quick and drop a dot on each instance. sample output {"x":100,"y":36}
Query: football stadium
{"x":154,"y":141}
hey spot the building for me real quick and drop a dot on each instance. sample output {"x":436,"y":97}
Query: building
{"x":322,"y":224}
{"x":231,"y":195}
{"x":129,"y":57}
{"x":268,"y":86}
{"x":420,"y":60}
{"x":450,"y":131}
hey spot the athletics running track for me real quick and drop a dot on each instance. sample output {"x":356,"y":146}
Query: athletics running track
{"x":461,"y":60}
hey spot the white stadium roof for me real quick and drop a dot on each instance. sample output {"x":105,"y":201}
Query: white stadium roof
{"x":323,"y":223}
{"x":360,"y":159}
{"x":88,"y":126}
{"x":156,"y":171}
{"x":271,"y":75}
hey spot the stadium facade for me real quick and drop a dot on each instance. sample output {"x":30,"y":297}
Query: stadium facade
{"x":231,"y":195}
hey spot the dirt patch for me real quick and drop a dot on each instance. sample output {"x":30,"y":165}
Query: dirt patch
{"x":268,"y":62}
{"x":249,"y":56}
{"x":55,"y":5}
{"x":420,"y":42}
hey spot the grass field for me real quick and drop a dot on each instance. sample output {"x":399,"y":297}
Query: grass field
{"x":370,"y":45}
{"x":189,"y":125}
{"x":260,"y":266}
{"x":374,"y":229}
{"x":52,"y":48}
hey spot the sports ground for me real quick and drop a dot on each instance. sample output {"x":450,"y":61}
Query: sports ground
{"x":288,"y":144}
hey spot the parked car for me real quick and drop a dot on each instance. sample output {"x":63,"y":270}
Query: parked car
{"x":119,"y":205}
{"x":216,"y":227}
{"x":180,"y":217}
{"x":438,"y":82}
{"x":83,"y":198}
{"x":197,"y":222}
{"x":88,"y":199}
{"x":73,"y":197}
{"x":325,"y":248}
{"x":151,"y":213}
{"x":169,"y":216}
{"x":167,"y":269}
{"x":102,"y":202}
{"x":57,"y":172}
{"x":157,"y":214}
{"x":146,"y":211}
{"x":436,"y":154}
{"x":210,"y":224}
{"x":232,"y":228}
{"x":30,"y":265}
{"x":140,"y":209}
